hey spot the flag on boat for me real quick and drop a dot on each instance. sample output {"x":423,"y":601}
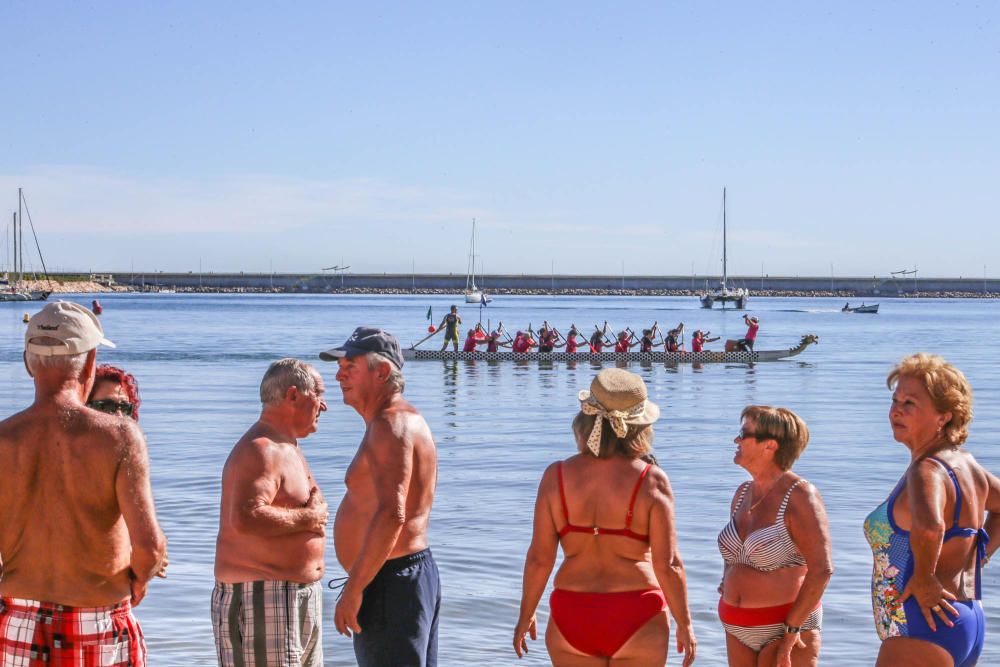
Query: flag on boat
{"x":482,"y":299}
{"x":429,"y":316}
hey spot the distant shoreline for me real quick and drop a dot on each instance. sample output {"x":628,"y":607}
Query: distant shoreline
{"x":90,"y":287}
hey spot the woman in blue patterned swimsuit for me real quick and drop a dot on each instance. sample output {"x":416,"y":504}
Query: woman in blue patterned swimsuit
{"x":929,"y":538}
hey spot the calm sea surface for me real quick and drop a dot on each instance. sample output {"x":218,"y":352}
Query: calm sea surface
{"x":199,"y":360}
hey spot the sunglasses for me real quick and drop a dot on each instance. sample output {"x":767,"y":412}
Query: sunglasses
{"x":743,"y":434}
{"x":111,"y":406}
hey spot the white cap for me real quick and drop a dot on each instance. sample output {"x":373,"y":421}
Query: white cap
{"x":74,"y":327}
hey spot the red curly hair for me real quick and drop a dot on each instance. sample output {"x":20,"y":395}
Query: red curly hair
{"x":127,"y":381}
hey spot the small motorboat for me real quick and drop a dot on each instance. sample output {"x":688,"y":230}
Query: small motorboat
{"x":870,"y":308}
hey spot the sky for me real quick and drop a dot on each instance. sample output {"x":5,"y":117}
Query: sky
{"x":853,"y":138}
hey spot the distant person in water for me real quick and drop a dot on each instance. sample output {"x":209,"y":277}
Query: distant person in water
{"x":753,"y":324}
{"x":96,"y":307}
{"x":450,"y":324}
{"x":115,"y":392}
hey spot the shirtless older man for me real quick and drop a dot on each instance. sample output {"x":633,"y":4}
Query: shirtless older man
{"x":268,"y":599}
{"x":392,"y":597}
{"x":78,"y":534}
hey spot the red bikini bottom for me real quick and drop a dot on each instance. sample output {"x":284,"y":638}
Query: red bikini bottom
{"x":599,"y":624}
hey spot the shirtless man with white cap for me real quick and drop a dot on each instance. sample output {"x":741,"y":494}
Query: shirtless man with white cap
{"x":79,"y":539}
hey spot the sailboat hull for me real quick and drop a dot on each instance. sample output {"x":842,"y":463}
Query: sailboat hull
{"x":737,"y":298}
{"x":476,"y":297}
{"x":38,"y":295}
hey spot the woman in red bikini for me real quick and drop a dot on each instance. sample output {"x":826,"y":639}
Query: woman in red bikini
{"x":776,"y":548}
{"x":611,"y":508}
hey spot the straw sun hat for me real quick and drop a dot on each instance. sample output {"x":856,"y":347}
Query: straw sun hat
{"x":620,"y":397}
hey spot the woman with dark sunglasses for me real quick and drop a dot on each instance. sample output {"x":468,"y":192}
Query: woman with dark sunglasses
{"x":115,"y":392}
{"x":776,"y":548}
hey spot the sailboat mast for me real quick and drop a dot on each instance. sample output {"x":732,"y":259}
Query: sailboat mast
{"x":19,"y":237}
{"x":724,"y":274}
{"x":473,"y":258}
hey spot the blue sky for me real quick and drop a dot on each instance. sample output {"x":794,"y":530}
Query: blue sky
{"x":854,"y":138}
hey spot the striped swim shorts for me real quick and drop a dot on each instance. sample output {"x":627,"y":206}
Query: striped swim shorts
{"x":37,"y":634}
{"x":268,"y":623}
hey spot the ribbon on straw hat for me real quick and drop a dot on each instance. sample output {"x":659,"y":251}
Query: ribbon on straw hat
{"x":617,"y":418}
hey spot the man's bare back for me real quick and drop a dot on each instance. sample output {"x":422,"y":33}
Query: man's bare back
{"x":70,"y":474}
{"x":399,"y":433}
{"x":265,"y":469}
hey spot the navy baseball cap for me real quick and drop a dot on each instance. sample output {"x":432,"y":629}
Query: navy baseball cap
{"x":365,"y":340}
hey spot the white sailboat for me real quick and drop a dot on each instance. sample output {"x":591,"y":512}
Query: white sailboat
{"x":472,"y":293}
{"x":17,"y":290}
{"x":724,"y":293}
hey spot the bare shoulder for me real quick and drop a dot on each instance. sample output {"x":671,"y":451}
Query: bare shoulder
{"x":254,"y":450}
{"x":399,"y":423}
{"x":926,"y":473}
{"x":804,"y":497}
{"x":658,"y":483}
{"x":550,"y":477}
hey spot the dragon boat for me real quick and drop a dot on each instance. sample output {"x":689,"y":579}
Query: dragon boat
{"x":707,"y":356}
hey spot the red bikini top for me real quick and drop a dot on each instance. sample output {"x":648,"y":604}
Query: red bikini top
{"x":595,"y":530}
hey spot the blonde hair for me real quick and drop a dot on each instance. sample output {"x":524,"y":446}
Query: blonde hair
{"x":784,"y":427}
{"x":638,"y":441}
{"x":947,"y":386}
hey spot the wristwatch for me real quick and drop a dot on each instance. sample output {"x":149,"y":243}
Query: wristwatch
{"x":791,"y":629}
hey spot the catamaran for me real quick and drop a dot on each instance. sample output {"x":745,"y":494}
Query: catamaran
{"x":472,"y":293}
{"x":18,"y":290}
{"x":724,"y":293}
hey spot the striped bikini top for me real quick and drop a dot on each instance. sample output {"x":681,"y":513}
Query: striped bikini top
{"x":765,"y":549}
{"x":596,"y":530}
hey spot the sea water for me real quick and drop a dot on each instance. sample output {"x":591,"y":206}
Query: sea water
{"x":199,"y":360}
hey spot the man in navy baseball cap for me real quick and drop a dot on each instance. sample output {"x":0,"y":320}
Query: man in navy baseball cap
{"x":365,"y":340}
{"x":381,"y":527}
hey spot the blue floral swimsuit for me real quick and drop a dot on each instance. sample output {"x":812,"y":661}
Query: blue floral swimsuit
{"x":893,"y":568}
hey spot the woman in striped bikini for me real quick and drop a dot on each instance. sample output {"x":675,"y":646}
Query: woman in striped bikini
{"x":776,"y":548}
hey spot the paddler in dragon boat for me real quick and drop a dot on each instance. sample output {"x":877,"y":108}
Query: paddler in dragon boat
{"x":671,"y":342}
{"x":624,"y":342}
{"x":699,"y":338}
{"x":493,"y":342}
{"x":474,"y":337}
{"x":570,"y":340}
{"x":523,"y":342}
{"x":597,"y":341}
{"x":646,"y":342}
{"x":547,"y":338}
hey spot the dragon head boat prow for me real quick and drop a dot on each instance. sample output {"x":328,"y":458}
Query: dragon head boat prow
{"x":807,"y":340}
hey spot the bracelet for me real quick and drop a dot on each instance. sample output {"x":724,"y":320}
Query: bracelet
{"x":791,"y":629}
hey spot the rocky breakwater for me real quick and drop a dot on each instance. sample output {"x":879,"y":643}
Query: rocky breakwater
{"x":71,"y":287}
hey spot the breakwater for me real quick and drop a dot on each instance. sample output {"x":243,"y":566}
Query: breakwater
{"x":389,"y":283}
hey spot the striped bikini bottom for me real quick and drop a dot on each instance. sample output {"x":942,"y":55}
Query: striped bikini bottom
{"x":755,"y":627}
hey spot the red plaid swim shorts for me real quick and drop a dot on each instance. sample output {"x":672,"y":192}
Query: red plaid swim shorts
{"x":43,"y":634}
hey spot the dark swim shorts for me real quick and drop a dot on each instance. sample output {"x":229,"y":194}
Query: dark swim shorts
{"x":399,"y":614}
